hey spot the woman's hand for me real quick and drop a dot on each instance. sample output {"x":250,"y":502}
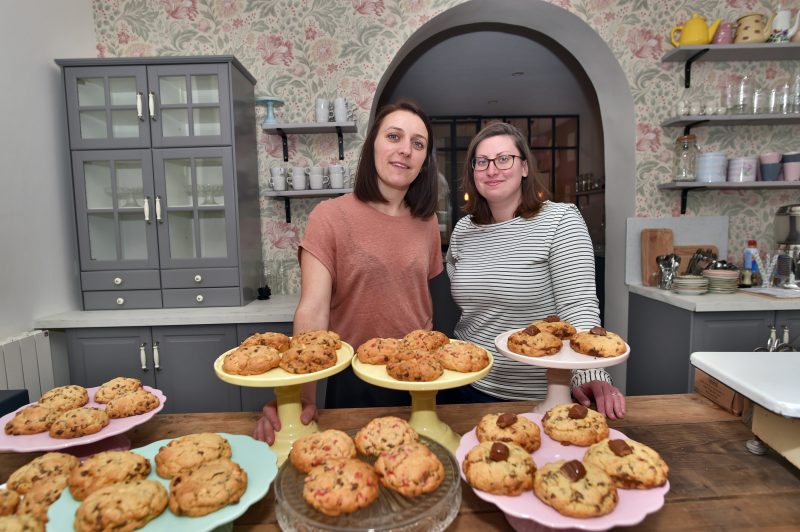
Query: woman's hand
{"x":269,"y":424}
{"x":608,"y":398}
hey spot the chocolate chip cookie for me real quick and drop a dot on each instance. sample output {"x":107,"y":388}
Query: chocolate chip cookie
{"x":499,"y":468}
{"x":49,"y":465}
{"x":41,"y":496}
{"x":20,"y":523}
{"x":65,"y":398}
{"x":308,"y":358}
{"x":78,"y":422}
{"x":32,"y":419}
{"x":329,"y":338}
{"x":278,"y":341}
{"x":190,"y":451}
{"x":571,"y":423}
{"x":630,"y":464}
{"x":116,"y":387}
{"x":314,"y":449}
{"x":132,"y":404}
{"x":379,"y":350}
{"x":383,"y":434}
{"x":598,"y":342}
{"x":410,"y":469}
{"x":575,"y":489}
{"x":106,"y":468}
{"x":427,"y":340}
{"x":508,"y":427}
{"x":9,"y":500}
{"x":340,"y":486}
{"x":533,"y":342}
{"x":416,"y":369}
{"x":207,"y":488}
{"x":251,"y":360}
{"x":556,"y":326}
{"x":464,"y":357}
{"x":121,"y":507}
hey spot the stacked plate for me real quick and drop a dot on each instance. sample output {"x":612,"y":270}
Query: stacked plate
{"x":690,"y":285}
{"x":722,"y":281}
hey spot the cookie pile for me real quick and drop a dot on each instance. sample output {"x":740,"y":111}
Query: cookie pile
{"x":63,"y":412}
{"x":545,"y":337}
{"x":304,"y":353}
{"x":337,"y":482}
{"x":502,"y":463}
{"x":422,"y":356}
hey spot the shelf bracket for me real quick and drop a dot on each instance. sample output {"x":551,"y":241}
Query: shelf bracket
{"x":684,"y":198}
{"x":341,"y":143}
{"x":282,"y":133}
{"x":287,"y":207}
{"x":687,"y":67}
{"x":688,"y":127}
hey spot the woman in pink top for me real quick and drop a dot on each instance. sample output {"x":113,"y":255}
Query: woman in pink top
{"x":366,"y":257}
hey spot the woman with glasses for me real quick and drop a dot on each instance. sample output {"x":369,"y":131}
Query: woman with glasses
{"x":515,"y":259}
{"x":366,"y":257}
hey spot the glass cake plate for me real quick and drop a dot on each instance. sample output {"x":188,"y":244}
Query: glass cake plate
{"x":526,"y":511}
{"x":430,"y":512}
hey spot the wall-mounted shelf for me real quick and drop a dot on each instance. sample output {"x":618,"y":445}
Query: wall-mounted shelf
{"x":730,"y":52}
{"x":685,"y":187}
{"x":288,"y":194}
{"x":310,"y":127}
{"x":690,"y":121}
{"x":590,"y":192}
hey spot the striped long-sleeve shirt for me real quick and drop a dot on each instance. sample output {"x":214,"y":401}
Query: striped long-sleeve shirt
{"x":506,"y":275}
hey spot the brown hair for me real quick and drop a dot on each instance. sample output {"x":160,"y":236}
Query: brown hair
{"x":477,"y":205}
{"x":422,"y":195}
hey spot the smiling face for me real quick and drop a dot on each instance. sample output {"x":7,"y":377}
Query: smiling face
{"x":400,"y":149}
{"x":500,"y":187}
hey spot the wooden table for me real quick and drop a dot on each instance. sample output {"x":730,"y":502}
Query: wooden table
{"x":715,"y":483}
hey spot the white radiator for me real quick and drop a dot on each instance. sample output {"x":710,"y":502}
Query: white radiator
{"x":27,"y":362}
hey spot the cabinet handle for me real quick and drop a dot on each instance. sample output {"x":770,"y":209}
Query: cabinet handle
{"x":200,"y":298}
{"x":151,"y":102}
{"x":156,"y":357}
{"x":158,"y":210}
{"x":117,"y":281}
{"x":139,"y":106}
{"x":143,"y":356}
{"x":120,"y":301}
{"x":146,"y":209}
{"x":198,"y":278}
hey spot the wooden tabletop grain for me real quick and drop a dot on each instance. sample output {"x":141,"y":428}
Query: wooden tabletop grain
{"x":716,"y":484}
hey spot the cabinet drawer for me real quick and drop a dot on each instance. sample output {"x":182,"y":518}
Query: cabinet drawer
{"x":112,"y":300}
{"x":202,"y":297}
{"x":200,"y":277}
{"x":120,"y":280}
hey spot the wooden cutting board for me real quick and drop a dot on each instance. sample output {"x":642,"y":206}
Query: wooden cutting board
{"x":655,"y":242}
{"x":686,"y":252}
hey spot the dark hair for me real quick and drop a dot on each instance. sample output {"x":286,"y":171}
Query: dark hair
{"x":422,"y":195}
{"x":476,"y":205}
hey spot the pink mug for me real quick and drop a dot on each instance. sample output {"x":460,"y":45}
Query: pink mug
{"x":724,"y":34}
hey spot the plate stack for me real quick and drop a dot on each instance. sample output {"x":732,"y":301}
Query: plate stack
{"x":722,"y":281}
{"x":690,"y":285}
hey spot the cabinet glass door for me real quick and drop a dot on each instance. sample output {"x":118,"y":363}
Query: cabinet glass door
{"x":107,"y":107}
{"x":114,"y":205}
{"x":190,"y":105}
{"x":195,"y":191}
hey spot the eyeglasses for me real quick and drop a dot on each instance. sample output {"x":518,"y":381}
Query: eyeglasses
{"x":501,"y":162}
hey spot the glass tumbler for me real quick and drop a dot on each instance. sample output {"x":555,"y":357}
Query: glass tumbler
{"x":743,"y":97}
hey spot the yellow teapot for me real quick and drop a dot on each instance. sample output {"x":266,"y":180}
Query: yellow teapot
{"x":694,"y":31}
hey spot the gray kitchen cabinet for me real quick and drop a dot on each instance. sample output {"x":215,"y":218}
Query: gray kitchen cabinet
{"x":663,"y":336}
{"x":165,"y":179}
{"x":177,"y":360}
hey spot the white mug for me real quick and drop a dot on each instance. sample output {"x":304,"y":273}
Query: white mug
{"x":278,"y":179}
{"x":337,"y":179}
{"x":340,"y":109}
{"x":322,"y":110}
{"x":317,"y":181}
{"x":297,"y":178}
{"x":314,"y":170}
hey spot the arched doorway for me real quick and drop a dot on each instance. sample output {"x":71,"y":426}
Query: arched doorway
{"x":616,"y":111}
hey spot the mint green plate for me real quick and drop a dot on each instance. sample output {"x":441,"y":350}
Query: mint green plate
{"x":254,"y":456}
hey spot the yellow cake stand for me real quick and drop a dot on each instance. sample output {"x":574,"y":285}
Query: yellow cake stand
{"x":287,"y":395}
{"x":423,"y":397}
{"x":559,"y":368}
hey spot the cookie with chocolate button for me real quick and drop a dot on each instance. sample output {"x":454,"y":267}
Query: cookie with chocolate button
{"x":508,"y":427}
{"x":556,"y":326}
{"x":571,"y":423}
{"x":499,"y":468}
{"x":575,"y":489}
{"x":630,"y":464}
{"x":534,"y":342}
{"x":598,"y":342}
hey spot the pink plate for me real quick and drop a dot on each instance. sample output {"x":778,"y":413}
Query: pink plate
{"x":43,"y":441}
{"x":633,"y":506}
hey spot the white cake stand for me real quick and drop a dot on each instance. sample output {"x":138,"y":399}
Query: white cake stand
{"x":287,"y":396}
{"x":423,"y":397}
{"x":559,"y":368}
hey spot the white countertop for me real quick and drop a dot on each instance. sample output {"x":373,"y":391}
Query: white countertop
{"x":278,"y":308}
{"x":768,"y":379}
{"x":739,"y":301}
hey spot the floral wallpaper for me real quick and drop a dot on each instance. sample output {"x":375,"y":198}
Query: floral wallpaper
{"x":299,"y":50}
